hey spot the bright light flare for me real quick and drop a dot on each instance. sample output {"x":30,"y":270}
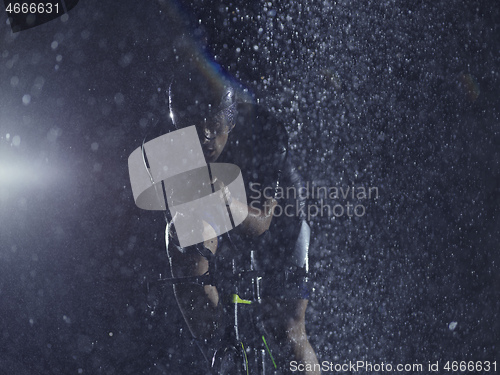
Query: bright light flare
{"x":21,"y":174}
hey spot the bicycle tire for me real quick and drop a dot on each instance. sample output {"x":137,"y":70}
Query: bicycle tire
{"x":229,"y":361}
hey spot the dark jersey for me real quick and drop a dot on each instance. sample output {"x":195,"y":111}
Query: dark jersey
{"x":258,"y":145}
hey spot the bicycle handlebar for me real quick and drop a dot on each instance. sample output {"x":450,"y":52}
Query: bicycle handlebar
{"x":207,"y":279}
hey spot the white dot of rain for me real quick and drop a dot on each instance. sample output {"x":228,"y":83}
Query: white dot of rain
{"x":26,"y":99}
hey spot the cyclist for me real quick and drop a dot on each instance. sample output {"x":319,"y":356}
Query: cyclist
{"x":245,"y":134}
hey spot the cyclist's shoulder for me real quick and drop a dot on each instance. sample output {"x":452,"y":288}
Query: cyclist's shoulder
{"x":257,"y":123}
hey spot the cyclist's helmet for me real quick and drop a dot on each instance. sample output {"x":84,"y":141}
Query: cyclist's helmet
{"x":205,"y":99}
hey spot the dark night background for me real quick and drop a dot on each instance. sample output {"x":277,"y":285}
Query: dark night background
{"x":401,"y":96}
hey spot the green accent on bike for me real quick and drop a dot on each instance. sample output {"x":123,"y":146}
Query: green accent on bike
{"x":245,"y":353}
{"x":267,"y":347}
{"x":236,"y":299}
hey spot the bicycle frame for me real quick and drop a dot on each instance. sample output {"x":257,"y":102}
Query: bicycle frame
{"x":244,"y":333}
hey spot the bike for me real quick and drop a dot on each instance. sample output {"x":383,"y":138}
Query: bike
{"x":246,"y":347}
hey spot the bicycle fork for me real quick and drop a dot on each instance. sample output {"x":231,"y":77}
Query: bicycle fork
{"x":256,"y":352}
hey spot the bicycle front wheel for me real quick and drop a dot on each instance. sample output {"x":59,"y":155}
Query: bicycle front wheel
{"x":229,"y":361}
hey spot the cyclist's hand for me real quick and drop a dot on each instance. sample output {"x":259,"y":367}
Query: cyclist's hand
{"x":269,"y":206}
{"x":181,"y":221}
{"x":209,"y":233}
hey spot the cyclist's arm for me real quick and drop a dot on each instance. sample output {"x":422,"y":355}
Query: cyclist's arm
{"x":258,"y":219}
{"x":273,"y":147}
{"x":260,"y":214}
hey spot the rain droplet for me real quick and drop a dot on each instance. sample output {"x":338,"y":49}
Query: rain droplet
{"x":16,"y":141}
{"x":53,"y":134}
{"x":119,"y":98}
{"x":14,"y":81}
{"x":26,"y":99}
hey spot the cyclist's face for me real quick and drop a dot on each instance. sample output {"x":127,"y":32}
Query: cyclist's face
{"x":213,"y":129}
{"x":213,"y":139}
{"x":211,"y":109}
